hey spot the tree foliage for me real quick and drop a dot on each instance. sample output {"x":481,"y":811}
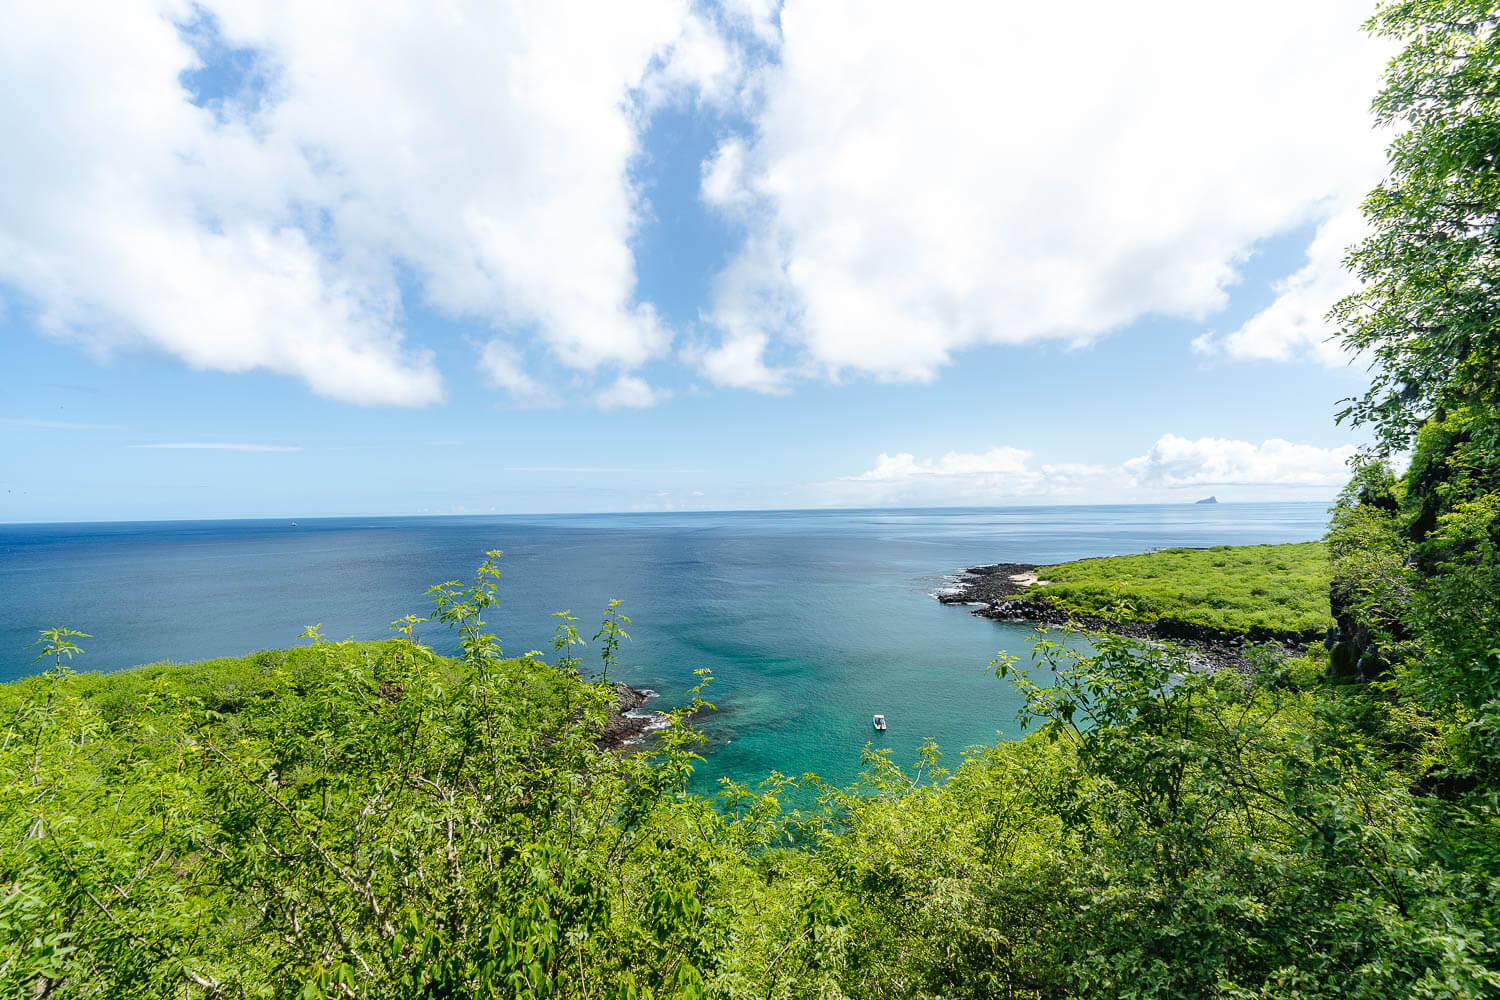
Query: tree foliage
{"x":1416,"y":576}
{"x":1428,"y":314}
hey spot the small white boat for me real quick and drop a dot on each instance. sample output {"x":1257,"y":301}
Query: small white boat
{"x":880,"y":723}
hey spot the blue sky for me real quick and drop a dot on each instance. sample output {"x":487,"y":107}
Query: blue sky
{"x":300,"y":262}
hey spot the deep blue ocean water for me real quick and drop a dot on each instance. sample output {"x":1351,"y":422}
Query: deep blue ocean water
{"x":810,"y":621}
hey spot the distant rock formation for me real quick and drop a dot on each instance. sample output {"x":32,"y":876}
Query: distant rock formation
{"x":1209,"y":500}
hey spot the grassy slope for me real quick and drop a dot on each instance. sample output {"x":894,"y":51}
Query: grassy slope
{"x":1236,"y":587}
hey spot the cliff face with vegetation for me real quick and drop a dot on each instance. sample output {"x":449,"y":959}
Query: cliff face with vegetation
{"x":374,"y":821}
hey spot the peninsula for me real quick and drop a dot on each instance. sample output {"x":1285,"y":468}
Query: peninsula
{"x":1214,"y":602}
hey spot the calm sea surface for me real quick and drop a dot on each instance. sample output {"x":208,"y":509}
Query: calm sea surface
{"x":809,"y":621}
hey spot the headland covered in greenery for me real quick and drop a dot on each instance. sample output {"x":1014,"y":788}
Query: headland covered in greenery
{"x":1212,"y":600}
{"x":1278,"y":589}
{"x":371,"y":820}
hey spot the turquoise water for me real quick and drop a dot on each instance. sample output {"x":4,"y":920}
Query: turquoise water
{"x":810,"y":621}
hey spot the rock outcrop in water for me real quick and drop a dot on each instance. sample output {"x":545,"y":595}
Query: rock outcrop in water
{"x":621,"y":727}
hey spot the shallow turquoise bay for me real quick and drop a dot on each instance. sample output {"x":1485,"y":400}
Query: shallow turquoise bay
{"x":810,"y":621}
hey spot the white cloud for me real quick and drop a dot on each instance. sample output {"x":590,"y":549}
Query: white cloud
{"x":1175,"y":462}
{"x":912,"y":183}
{"x":502,"y":366}
{"x":995,"y":462}
{"x":629,"y":392}
{"x":218,"y":446}
{"x":477,"y":152}
{"x":702,"y":63}
{"x":1294,"y":327}
{"x":739,"y":360}
{"x":918,"y":182}
{"x":758,"y":15}
{"x":1007,"y":474}
{"x":999,"y":475}
{"x":723,"y":185}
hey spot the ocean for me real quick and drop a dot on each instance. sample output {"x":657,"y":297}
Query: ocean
{"x":809,"y":621}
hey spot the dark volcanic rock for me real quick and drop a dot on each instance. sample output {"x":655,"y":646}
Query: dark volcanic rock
{"x":628,"y":699}
{"x":986,"y":584}
{"x":620,"y":728}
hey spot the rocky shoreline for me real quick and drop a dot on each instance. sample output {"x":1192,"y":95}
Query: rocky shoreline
{"x":1002,"y":592}
{"x":626,"y":724}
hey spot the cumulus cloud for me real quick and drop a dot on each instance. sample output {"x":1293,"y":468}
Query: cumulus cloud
{"x":723,"y":185}
{"x":739,"y":360}
{"x":1000,"y":475}
{"x":473,"y":155}
{"x":1174,"y":461}
{"x":758,"y":15}
{"x":1294,"y":326}
{"x":703,"y":63}
{"x":504,"y":368}
{"x":1007,"y":474}
{"x":995,"y":462}
{"x":629,"y":392}
{"x":919,"y":182}
{"x":911,"y":183}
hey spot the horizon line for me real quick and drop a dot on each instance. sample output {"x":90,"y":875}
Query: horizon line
{"x":637,"y":513}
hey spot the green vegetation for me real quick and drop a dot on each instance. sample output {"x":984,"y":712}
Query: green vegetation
{"x":1279,"y":588}
{"x":367,"y":819}
{"x":346,"y":817}
{"x":1427,"y":311}
{"x":370,"y":820}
